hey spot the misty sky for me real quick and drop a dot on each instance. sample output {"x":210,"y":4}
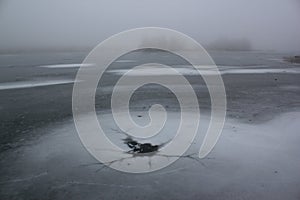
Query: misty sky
{"x":268,"y":24}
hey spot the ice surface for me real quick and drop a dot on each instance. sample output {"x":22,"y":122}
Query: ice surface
{"x":250,"y":161}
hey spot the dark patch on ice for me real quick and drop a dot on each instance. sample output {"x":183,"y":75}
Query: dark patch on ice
{"x":140,"y":148}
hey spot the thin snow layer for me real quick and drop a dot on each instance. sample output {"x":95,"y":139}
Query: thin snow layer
{"x":204,"y":70}
{"x":66,"y":65}
{"x":250,"y":161}
{"x":125,"y":61}
{"x":33,"y":83}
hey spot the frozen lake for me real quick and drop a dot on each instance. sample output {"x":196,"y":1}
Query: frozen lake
{"x":256,"y":157}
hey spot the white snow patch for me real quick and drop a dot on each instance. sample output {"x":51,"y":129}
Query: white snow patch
{"x":67,"y":65}
{"x":205,"y":70}
{"x":30,"y":84}
{"x":125,"y":61}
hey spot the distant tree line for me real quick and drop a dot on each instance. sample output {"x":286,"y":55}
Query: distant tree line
{"x":165,"y":41}
{"x":226,"y":44}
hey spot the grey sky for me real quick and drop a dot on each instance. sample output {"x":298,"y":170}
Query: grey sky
{"x":269,"y":24}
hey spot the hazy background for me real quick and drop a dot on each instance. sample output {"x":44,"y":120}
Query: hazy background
{"x":76,"y":24}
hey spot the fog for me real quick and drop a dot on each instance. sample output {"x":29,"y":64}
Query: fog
{"x":76,"y":24}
